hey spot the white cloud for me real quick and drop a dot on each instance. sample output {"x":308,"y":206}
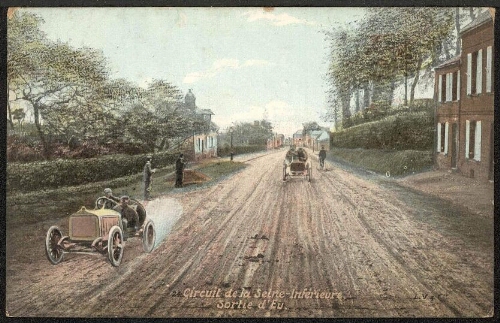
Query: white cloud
{"x":277,"y":20}
{"x":220,"y":65}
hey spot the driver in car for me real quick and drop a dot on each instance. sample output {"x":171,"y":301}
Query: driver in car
{"x":105,"y":202}
{"x":302,"y":154}
{"x":130,"y":217}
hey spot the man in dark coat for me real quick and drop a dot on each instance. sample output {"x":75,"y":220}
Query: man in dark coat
{"x":147,"y":173}
{"x":322,"y":156}
{"x":128,"y":213}
{"x":179,"y":170}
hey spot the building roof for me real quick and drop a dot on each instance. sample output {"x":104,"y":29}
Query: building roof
{"x":451,"y":61}
{"x":204,"y":111}
{"x":315,"y":133}
{"x":482,"y":18}
{"x":324,"y":136}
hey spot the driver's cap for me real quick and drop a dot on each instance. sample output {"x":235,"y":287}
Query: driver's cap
{"x":107,"y":190}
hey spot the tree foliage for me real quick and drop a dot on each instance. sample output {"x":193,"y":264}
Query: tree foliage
{"x":73,"y":99}
{"x":387,"y":45}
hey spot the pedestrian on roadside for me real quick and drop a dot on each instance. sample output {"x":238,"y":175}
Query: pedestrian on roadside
{"x":179,"y":170}
{"x":147,"y":178}
{"x":322,"y":156}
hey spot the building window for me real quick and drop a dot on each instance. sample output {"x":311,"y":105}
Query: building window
{"x":474,"y":72}
{"x":442,"y":138}
{"x":473,"y":140}
{"x":454,"y":87}
{"x":444,"y":93}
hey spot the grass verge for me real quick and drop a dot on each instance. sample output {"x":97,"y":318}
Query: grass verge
{"x":393,"y":163}
{"x":42,"y":205}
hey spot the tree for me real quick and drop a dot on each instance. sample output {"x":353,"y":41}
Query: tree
{"x":404,"y":38}
{"x":255,"y":133}
{"x":386,"y":45}
{"x":53,"y":78}
{"x":310,"y":126}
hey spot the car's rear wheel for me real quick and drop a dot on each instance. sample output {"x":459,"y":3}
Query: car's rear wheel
{"x":149,"y":236}
{"x":53,"y":251}
{"x":115,"y":245}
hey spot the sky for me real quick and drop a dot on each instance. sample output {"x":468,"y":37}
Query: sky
{"x":244,"y":64}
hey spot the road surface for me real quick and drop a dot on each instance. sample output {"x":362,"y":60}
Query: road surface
{"x":254,"y":246}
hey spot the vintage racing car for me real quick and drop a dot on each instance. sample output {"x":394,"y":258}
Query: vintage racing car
{"x":99,"y":231}
{"x":295,"y":167}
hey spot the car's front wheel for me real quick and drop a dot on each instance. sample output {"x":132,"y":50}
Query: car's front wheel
{"x":115,"y":245}
{"x":52,"y":249}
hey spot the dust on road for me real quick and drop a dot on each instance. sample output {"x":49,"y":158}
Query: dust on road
{"x":253,"y":245}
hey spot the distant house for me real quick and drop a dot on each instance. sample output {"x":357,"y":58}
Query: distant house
{"x":276,"y":141}
{"x":297,"y":139}
{"x":315,"y":139}
{"x":203,"y":143}
{"x":465,"y":111}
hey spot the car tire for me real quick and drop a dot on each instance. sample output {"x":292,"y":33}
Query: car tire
{"x":149,"y":236}
{"x":115,"y":245}
{"x":52,"y":250}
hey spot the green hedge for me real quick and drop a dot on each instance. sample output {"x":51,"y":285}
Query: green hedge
{"x":390,"y":163}
{"x":408,"y":131}
{"x":226,"y":150}
{"x":25,"y":177}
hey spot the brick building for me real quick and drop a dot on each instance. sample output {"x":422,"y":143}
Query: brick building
{"x":465,"y":111}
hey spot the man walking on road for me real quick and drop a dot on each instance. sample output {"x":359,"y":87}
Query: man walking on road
{"x":147,"y":173}
{"x":322,"y":156}
{"x":179,"y":170}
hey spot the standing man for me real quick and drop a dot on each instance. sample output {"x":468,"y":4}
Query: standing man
{"x":147,"y":178}
{"x":179,"y":170}
{"x":322,"y":156}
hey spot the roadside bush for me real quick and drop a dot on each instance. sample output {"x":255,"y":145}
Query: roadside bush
{"x":390,"y":163}
{"x":408,"y":131}
{"x":25,"y":177}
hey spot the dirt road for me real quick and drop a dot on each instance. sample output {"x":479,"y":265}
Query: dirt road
{"x":253,"y":246}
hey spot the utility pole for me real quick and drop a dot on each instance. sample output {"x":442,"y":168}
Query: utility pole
{"x":231,"y":133}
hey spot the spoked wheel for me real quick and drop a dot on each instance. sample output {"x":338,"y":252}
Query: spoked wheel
{"x":115,"y":245}
{"x":53,"y":251}
{"x":149,"y":236}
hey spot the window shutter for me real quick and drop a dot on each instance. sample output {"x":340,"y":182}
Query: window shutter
{"x":446,"y":138}
{"x":467,"y":134}
{"x":488,"y":69}
{"x":448,"y":87}
{"x":439,"y":137}
{"x":477,"y":140}
{"x":440,"y":79}
{"x":469,"y":74}
{"x":479,"y":74}
{"x":458,"y":85}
